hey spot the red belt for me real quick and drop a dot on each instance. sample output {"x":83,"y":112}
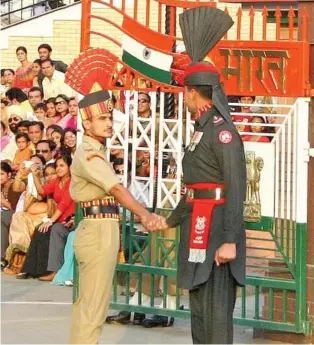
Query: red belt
{"x":201,"y":219}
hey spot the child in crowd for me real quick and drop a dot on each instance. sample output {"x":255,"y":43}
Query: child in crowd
{"x":24,"y":151}
{"x":257,"y":129}
{"x":56,"y":136}
{"x":51,"y":108}
{"x":22,"y":127}
{"x":50,"y":129}
{"x":40,"y":111}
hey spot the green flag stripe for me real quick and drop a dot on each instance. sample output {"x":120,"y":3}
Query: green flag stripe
{"x":146,"y":69}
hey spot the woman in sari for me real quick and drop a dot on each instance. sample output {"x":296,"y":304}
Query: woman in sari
{"x":45,"y":255}
{"x":64,"y":119}
{"x":24,"y":74}
{"x":33,"y":210}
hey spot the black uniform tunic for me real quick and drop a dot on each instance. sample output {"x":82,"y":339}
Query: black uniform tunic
{"x":218,"y":157}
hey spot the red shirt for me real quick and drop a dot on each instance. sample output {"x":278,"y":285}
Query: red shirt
{"x":245,"y":119}
{"x":62,"y":197}
{"x":253,"y":138}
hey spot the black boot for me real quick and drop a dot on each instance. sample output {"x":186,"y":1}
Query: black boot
{"x":124,"y":317}
{"x":138,"y":319}
{"x":158,"y":321}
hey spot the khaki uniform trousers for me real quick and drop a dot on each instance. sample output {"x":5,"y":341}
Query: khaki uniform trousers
{"x":96,"y":247}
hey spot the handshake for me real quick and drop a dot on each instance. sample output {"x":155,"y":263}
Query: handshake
{"x":154,"y":222}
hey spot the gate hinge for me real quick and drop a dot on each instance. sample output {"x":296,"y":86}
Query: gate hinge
{"x":308,"y":152}
{"x":307,"y":328}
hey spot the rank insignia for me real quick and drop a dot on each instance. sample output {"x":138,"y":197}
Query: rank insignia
{"x":217,"y":119}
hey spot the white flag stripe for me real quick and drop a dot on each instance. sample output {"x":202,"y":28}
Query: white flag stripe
{"x":155,"y":59}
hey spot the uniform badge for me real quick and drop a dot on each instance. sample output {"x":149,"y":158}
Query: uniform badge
{"x":200,"y":225}
{"x":217,"y":119}
{"x":197,"y":136}
{"x":225,"y":137}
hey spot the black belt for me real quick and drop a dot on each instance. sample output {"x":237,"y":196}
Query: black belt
{"x":217,"y":193}
{"x":101,"y":211}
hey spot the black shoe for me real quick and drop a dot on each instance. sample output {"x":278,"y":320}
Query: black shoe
{"x":138,"y":319}
{"x":4,"y":263}
{"x":23,"y":276}
{"x":158,"y":321}
{"x":123,"y":317}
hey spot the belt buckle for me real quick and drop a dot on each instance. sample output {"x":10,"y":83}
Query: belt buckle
{"x":218,"y":193}
{"x":190,"y":193}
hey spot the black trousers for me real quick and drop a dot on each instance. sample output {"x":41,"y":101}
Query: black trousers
{"x":212,"y":305}
{"x":37,"y":257}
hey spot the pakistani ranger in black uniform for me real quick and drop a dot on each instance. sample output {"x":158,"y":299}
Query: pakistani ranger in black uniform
{"x":211,"y":259}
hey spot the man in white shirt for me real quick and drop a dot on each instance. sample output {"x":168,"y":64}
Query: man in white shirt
{"x":53,"y":83}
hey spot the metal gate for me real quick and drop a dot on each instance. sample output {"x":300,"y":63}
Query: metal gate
{"x":275,"y":293}
{"x":274,"y":296}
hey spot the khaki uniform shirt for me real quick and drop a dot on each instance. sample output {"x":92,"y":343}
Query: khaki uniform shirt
{"x":92,"y":176}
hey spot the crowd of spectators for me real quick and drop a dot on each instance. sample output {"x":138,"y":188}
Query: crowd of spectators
{"x":37,"y":143}
{"x":38,"y":140}
{"x":248,"y":111}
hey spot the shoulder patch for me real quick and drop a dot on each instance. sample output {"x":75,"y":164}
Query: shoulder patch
{"x":225,"y":137}
{"x":95,"y":155}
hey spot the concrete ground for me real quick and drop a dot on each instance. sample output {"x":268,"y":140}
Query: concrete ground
{"x":34,"y":312}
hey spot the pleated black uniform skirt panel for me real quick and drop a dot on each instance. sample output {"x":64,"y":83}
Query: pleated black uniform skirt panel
{"x":212,"y":305}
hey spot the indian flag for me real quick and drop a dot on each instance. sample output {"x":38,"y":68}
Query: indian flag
{"x":149,"y":59}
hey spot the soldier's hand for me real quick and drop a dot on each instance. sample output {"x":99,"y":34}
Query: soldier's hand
{"x":225,"y":253}
{"x":154,"y":222}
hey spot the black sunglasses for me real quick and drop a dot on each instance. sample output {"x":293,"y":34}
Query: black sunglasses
{"x":15,"y":119}
{"x":61,"y":102}
{"x":42,"y":151}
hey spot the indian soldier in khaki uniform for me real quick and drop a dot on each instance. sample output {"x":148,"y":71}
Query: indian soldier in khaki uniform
{"x":98,"y":190}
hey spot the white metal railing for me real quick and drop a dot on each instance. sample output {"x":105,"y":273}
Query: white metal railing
{"x":14,"y":11}
{"x":287,"y":146}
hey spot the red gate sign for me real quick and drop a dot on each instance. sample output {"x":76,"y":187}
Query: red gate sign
{"x":263,"y":68}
